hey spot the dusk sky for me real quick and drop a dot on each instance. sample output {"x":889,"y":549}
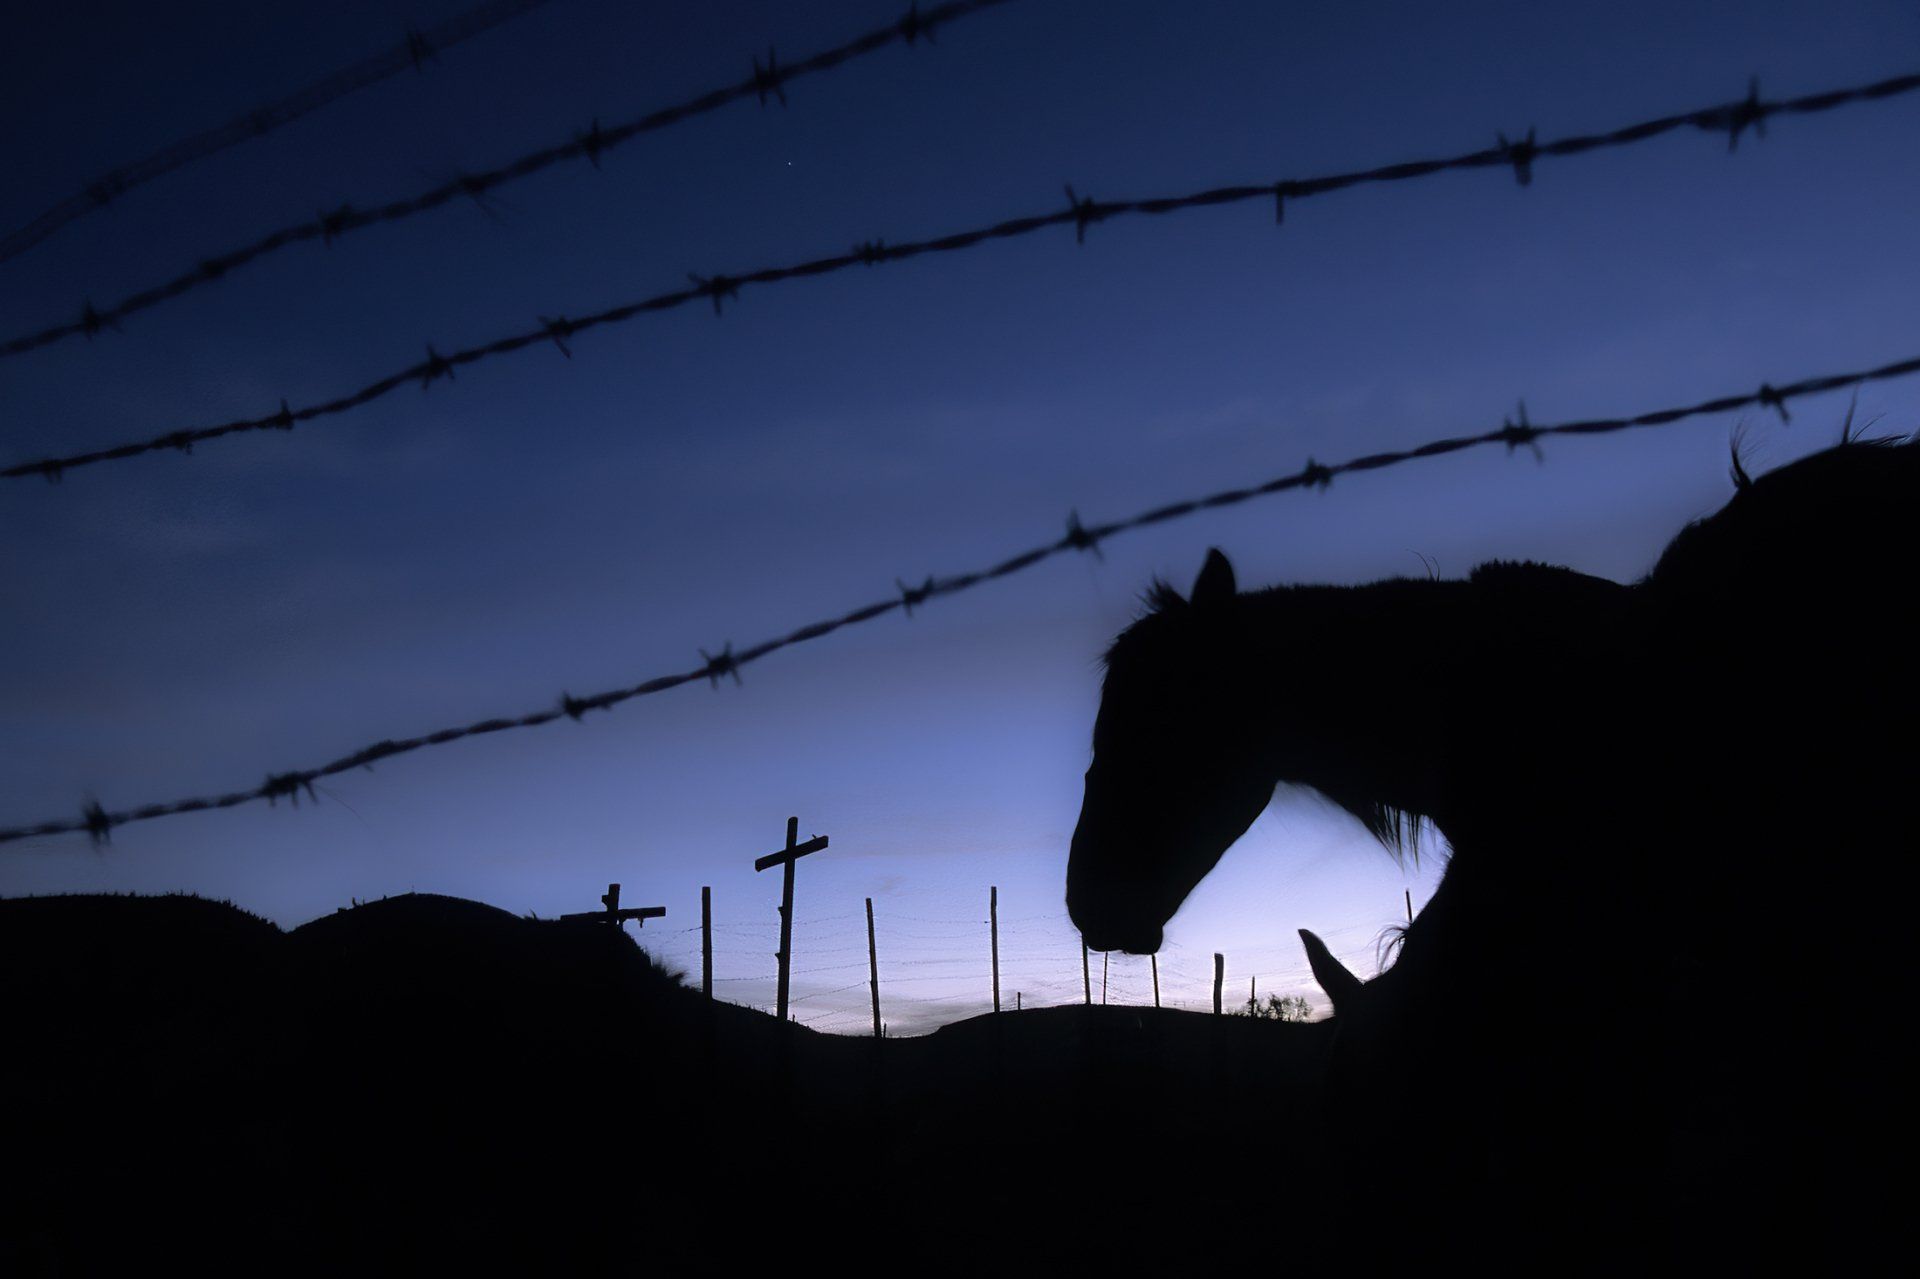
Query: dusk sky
{"x":174,"y":626}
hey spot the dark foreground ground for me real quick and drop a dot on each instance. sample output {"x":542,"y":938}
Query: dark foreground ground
{"x":425,"y":1084}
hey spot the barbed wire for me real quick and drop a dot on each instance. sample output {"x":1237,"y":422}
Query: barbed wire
{"x":414,"y":52}
{"x":837,"y":990}
{"x":98,"y":822}
{"x":1750,"y":112}
{"x":767,"y":80}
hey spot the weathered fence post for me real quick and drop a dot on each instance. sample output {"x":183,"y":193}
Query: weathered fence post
{"x":1156,"y":979}
{"x":786,"y":924}
{"x":706,"y":942}
{"x":993,"y":927}
{"x":785,"y":858}
{"x":873,"y":970}
{"x":614,"y":915}
{"x":1086,"y":974}
{"x":1409,"y":893}
{"x":1219,"y":976}
{"x":1105,"y":955}
{"x":1253,"y":995}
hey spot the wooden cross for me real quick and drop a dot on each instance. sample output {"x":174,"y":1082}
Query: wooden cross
{"x":614,"y":915}
{"x":786,"y":857}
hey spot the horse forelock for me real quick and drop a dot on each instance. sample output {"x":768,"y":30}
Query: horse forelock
{"x":1160,"y":600}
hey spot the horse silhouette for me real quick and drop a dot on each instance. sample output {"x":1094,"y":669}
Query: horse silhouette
{"x":1651,"y":965}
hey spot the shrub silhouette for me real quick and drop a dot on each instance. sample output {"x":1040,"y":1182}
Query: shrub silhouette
{"x":1294,"y":1008}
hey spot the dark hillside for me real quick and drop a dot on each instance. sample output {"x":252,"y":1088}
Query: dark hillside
{"x":424,"y":1082}
{"x":143,"y":1040}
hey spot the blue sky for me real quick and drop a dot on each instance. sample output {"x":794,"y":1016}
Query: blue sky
{"x":176,"y":626}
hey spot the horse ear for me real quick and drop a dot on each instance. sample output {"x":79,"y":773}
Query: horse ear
{"x":1215,"y":583}
{"x":1340,"y":985}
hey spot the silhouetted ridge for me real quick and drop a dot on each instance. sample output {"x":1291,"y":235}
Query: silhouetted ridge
{"x":423,"y":1084}
{"x":199,"y":916}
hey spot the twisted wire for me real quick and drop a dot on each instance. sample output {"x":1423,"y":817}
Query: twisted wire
{"x":1080,"y":213}
{"x":415,"y":51}
{"x":98,"y":822}
{"x":588,"y":145}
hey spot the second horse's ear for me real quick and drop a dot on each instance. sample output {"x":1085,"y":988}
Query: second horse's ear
{"x":1215,"y":583}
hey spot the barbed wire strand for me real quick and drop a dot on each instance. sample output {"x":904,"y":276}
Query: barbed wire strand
{"x":767,"y":80}
{"x":1080,"y":212}
{"x":98,"y":822}
{"x":414,"y":52}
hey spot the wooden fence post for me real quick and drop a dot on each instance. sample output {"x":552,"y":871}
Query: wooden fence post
{"x":1086,"y":974}
{"x":1219,"y":976}
{"x":1105,"y":955}
{"x":706,"y":941}
{"x":786,"y":922}
{"x":873,"y":970}
{"x":1156,"y":979}
{"x":615,"y":915}
{"x":785,"y":859}
{"x":993,"y":925}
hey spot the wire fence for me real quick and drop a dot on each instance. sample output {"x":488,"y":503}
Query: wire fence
{"x":99,"y":822}
{"x":928,"y":979}
{"x":414,"y":52}
{"x":768,"y":80}
{"x":1080,"y":213}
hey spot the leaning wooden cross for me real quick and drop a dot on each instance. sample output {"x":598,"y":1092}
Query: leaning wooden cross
{"x":614,"y":915}
{"x":786,"y":857}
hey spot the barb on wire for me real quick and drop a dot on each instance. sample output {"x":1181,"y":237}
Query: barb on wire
{"x":1085,"y":211}
{"x":768,"y":79}
{"x":1748,"y":114}
{"x":98,"y":822}
{"x":415,"y":49}
{"x":1775,"y":400}
{"x":1522,"y":434}
{"x":717,"y":287}
{"x":1080,"y":538}
{"x":420,"y":50}
{"x":1079,"y":213}
{"x":559,"y":329}
{"x":912,"y":596}
{"x":1521,"y":156}
{"x":719,"y":664}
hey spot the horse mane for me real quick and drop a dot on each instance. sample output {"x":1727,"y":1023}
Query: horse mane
{"x":1388,"y":945}
{"x":1398,"y":830}
{"x":1826,"y":469}
{"x":1160,"y":599}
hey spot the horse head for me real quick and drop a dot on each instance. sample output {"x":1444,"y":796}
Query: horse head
{"x":1175,"y":776}
{"x":1387,"y":699}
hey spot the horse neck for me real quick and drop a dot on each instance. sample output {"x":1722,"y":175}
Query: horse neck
{"x":1373,"y":722}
